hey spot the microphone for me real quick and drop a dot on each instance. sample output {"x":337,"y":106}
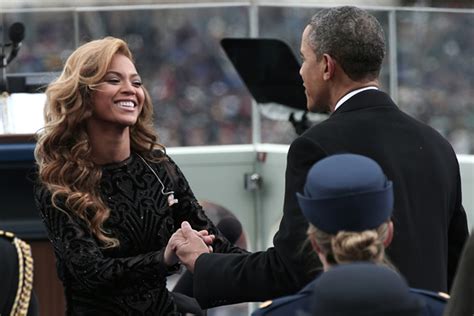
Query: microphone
{"x":16,"y":33}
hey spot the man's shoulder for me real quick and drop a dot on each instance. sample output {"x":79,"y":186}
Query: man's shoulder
{"x":337,"y":125}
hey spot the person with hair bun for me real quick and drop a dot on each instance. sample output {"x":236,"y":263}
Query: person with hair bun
{"x":348,"y":202}
{"x":109,"y":195}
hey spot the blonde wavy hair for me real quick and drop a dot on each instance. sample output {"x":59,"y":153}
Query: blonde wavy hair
{"x":63,"y":151}
{"x":346,"y":246}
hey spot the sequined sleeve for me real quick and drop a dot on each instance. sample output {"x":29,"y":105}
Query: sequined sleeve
{"x":80,"y":256}
{"x":189,"y":209}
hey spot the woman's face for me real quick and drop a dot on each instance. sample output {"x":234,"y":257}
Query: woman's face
{"x":118,"y":100}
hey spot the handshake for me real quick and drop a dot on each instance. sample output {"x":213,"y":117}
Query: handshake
{"x":186,"y":245}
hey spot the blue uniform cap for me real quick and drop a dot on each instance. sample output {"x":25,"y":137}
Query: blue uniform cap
{"x":346,"y":192}
{"x":363,"y":289}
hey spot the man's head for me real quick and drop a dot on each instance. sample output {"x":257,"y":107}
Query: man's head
{"x":343,"y":40}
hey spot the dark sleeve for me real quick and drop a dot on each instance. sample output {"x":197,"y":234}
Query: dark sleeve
{"x":189,"y":209}
{"x":280,"y":270}
{"x":461,"y":302}
{"x":79,"y":253}
{"x":457,"y":234}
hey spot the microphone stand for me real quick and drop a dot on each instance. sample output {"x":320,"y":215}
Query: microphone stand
{"x":4,"y":128}
{"x":3,"y":82}
{"x":16,"y":34}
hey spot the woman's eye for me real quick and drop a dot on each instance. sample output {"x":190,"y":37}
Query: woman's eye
{"x":137,"y":83}
{"x":113,"y":80}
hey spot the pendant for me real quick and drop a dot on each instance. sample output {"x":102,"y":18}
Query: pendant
{"x":171,"y":199}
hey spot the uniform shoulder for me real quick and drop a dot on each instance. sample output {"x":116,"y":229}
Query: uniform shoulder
{"x":15,"y":242}
{"x":7,"y":248}
{"x":296,"y":304}
{"x":6,"y":235}
{"x":279,"y":306}
{"x":438,"y":296}
{"x":8,"y":251}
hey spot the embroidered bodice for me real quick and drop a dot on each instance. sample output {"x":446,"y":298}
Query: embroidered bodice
{"x":129,"y":279}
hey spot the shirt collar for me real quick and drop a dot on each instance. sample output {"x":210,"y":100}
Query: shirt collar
{"x":351,"y":94}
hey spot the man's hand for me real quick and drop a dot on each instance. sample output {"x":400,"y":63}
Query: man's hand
{"x":188,"y":245}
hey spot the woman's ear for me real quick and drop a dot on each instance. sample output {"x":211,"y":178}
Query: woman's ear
{"x":315,"y":245}
{"x":321,"y":255}
{"x":389,"y":237}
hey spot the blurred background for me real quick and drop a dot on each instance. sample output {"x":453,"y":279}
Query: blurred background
{"x":198,"y":96}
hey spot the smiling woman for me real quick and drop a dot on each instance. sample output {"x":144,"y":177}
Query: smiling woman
{"x":116,"y":104}
{"x":118,"y":99}
{"x":109,"y":195}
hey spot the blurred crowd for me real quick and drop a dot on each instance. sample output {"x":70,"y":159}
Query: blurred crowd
{"x":198,"y":96}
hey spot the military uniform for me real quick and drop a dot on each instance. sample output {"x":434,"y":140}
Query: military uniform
{"x":16,"y":271}
{"x":435,"y":302}
{"x":300,"y":303}
{"x":297,"y":304}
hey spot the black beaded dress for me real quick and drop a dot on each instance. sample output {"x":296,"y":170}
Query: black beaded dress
{"x":129,"y":279}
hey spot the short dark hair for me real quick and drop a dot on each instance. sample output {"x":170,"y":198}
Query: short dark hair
{"x":352,"y":36}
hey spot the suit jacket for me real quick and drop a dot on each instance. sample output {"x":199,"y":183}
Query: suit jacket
{"x":429,"y":220}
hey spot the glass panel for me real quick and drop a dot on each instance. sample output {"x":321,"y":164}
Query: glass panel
{"x":198,"y":97}
{"x":436,"y":69}
{"x":287,"y":24}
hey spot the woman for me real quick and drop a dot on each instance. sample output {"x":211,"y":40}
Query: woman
{"x":109,"y":195}
{"x":348,"y":203}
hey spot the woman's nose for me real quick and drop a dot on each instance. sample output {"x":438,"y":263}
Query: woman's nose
{"x":128,"y":87}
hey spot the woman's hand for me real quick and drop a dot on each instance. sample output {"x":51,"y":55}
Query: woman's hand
{"x":186,"y":245}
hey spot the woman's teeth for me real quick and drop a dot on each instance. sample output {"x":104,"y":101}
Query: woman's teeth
{"x":126,"y":104}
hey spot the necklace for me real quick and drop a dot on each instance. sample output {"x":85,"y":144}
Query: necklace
{"x":169,"y":194}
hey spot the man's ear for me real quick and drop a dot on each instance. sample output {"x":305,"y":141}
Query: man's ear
{"x":389,"y":237}
{"x":329,"y":66}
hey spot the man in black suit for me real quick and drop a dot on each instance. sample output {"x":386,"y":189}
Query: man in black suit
{"x":342,"y":50}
